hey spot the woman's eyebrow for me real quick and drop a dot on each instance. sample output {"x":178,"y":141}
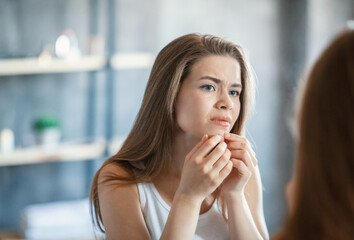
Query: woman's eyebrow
{"x":217,"y":81}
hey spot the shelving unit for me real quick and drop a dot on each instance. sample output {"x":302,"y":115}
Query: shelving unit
{"x":100,"y":71}
{"x":67,"y":152}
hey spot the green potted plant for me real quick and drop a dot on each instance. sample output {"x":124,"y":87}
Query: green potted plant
{"x":47,"y":128}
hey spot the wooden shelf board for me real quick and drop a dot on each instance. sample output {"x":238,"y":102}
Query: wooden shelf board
{"x":119,"y":61}
{"x":132,"y":60}
{"x":23,"y":66}
{"x":65,"y":152}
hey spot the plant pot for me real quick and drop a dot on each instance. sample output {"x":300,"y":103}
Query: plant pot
{"x":49,"y":139}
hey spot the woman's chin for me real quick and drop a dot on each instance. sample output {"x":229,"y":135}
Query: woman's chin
{"x":216,"y":132}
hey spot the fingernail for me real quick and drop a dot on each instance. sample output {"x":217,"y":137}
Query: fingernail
{"x":204,"y":137}
{"x":227,"y":135}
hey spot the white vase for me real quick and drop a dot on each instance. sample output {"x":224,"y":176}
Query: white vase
{"x":49,"y":139}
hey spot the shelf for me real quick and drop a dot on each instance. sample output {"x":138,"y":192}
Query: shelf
{"x":132,"y":60}
{"x":115,"y":145}
{"x":21,"y":66}
{"x":65,"y":152}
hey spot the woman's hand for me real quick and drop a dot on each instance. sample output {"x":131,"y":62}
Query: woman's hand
{"x":244,"y":181}
{"x":205,"y":168}
{"x":244,"y":162}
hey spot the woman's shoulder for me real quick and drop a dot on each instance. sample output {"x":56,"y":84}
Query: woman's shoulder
{"x":115,"y":168}
{"x":116,"y":173}
{"x":119,"y":203}
{"x":114,"y":181}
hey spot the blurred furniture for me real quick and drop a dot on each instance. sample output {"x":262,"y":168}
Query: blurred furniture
{"x":59,"y":221}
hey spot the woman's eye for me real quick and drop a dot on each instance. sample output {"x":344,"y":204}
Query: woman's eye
{"x":235,"y":93}
{"x":208,"y":87}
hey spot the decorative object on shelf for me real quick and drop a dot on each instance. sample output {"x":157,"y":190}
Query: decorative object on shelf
{"x":7,"y":141}
{"x":96,"y":46}
{"x":46,"y":55}
{"x":66,"y":45}
{"x":47,"y":129}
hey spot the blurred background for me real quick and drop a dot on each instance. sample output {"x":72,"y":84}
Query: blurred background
{"x":73,"y":74}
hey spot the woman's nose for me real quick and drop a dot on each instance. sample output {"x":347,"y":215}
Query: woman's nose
{"x":225,"y":102}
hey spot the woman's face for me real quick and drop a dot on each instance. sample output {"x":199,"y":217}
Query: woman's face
{"x":209,"y":98}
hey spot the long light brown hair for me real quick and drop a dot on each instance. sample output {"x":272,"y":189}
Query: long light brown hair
{"x":323,"y":207}
{"x":149,"y":144}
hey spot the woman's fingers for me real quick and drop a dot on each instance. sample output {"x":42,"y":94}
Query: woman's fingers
{"x":222,"y":161}
{"x":216,"y":154}
{"x":226,"y":170}
{"x":231,"y":137}
{"x":243,"y":171}
{"x":234,"y":137}
{"x":199,"y":175}
{"x":242,"y":155}
{"x":239,"y":145}
{"x":235,"y":142}
{"x":212,"y":158}
{"x":197,"y":146}
{"x":206,"y":147}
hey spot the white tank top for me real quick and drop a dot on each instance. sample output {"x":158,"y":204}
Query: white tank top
{"x":211,"y":225}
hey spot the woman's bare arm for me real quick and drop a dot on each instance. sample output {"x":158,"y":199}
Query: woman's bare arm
{"x":120,"y":207}
{"x":241,"y":223}
{"x":241,"y":149}
{"x":122,"y":216}
{"x":254,"y":197}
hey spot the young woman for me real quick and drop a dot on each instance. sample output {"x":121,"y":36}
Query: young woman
{"x":321,"y":194}
{"x":185,"y":171}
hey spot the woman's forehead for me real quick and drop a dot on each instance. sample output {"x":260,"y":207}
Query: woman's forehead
{"x":224,"y":68}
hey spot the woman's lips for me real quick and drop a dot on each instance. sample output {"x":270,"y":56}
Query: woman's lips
{"x":223,"y":122}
